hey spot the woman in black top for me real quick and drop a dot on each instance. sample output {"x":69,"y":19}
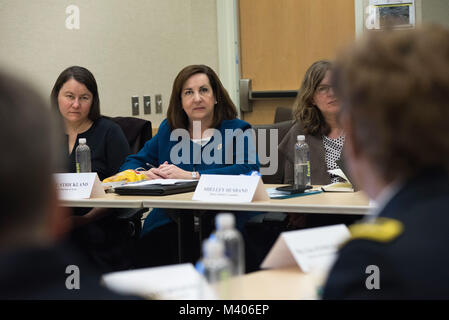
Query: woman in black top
{"x":75,"y":98}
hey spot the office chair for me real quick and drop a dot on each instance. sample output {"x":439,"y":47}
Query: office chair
{"x":283,"y":114}
{"x":262,"y":230}
{"x":282,"y":128}
{"x":126,"y":224}
{"x":137,"y":131}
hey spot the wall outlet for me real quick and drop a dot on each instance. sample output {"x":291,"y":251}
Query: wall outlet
{"x":135,"y":105}
{"x":146,"y":104}
{"x":158,"y":99}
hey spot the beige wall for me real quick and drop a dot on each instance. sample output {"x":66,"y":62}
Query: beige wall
{"x":132,"y":47}
{"x":435,"y":11}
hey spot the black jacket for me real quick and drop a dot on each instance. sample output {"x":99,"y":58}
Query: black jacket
{"x":414,"y":263}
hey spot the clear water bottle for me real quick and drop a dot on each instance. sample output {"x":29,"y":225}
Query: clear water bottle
{"x":302,"y":162}
{"x":82,"y":156}
{"x":214,"y":265}
{"x":232,"y":240}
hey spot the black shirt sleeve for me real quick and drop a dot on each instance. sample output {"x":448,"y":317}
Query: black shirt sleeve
{"x":117,"y":149}
{"x":108,"y":148}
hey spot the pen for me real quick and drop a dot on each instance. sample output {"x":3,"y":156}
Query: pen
{"x":150,"y":165}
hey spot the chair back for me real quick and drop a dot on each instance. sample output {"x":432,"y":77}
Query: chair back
{"x":137,"y":131}
{"x":282,"y":128}
{"x":283,"y":114}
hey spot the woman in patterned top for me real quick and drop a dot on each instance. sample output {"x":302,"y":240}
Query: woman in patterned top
{"x":315,"y":112}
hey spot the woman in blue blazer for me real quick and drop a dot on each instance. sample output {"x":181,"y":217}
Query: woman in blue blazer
{"x":201,"y":135}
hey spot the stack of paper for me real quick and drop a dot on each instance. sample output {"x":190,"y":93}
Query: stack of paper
{"x":345,"y":186}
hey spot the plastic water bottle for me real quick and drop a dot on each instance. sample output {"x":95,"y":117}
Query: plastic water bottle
{"x":214,"y":265}
{"x":302,"y":162}
{"x":82,"y":156}
{"x":232,"y":240}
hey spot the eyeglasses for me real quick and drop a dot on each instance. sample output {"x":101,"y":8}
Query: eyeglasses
{"x":324,"y":89}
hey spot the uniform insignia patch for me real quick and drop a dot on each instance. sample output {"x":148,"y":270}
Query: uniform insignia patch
{"x":381,"y":230}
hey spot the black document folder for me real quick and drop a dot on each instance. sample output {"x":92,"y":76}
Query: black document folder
{"x":156,"y":189}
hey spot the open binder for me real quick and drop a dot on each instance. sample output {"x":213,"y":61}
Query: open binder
{"x":156,"y":189}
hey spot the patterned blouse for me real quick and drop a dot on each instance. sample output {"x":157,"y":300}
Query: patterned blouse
{"x":332,"y":150}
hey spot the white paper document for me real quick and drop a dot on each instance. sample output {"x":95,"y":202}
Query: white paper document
{"x":345,"y":186}
{"x":338,"y":172}
{"x":230,"y":188}
{"x":173,"y":282}
{"x":310,"y":249}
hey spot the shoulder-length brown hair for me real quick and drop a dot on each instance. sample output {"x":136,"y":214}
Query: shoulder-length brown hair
{"x":84,"y":76}
{"x":304,"y":109}
{"x":223,"y":110}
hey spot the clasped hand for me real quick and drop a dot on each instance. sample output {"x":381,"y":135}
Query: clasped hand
{"x":167,"y":171}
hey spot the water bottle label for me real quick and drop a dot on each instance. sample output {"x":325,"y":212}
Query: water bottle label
{"x":308,"y":169}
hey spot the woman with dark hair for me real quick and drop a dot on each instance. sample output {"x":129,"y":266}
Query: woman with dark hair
{"x":75,"y":98}
{"x":200,"y":118}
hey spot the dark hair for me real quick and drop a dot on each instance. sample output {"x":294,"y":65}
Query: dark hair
{"x":84,"y":76}
{"x":223,"y":110}
{"x":394,"y":92}
{"x":30,"y":155}
{"x":304,"y":109}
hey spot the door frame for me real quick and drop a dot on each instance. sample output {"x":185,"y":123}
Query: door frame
{"x":228,"y":48}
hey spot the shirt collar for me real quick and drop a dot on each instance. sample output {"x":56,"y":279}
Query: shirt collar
{"x":383,"y":198}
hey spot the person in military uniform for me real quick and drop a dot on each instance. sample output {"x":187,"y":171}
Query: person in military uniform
{"x":393,"y":88}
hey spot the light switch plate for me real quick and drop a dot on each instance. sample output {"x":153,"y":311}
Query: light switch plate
{"x":146,"y":104}
{"x":135,"y":105}
{"x":158,"y":99}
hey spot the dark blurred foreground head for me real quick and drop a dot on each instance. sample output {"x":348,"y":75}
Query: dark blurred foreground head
{"x":29,"y":213}
{"x":394,"y":92}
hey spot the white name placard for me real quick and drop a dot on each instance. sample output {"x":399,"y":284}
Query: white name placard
{"x":229,"y":188}
{"x":72,"y":186}
{"x":173,"y":282}
{"x":314,"y":248}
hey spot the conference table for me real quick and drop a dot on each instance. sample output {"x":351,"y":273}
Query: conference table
{"x":187,"y":212}
{"x":287,"y":283}
{"x":325,"y":202}
{"x":293,"y":282}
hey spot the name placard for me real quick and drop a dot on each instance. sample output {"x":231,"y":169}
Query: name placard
{"x":72,"y":186}
{"x":314,"y":248}
{"x":230,"y":188}
{"x":172,"y":282}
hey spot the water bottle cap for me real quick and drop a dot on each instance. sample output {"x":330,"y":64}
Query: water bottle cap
{"x":213,"y":248}
{"x":224,"y":221}
{"x":300,"y":137}
{"x":82,"y":140}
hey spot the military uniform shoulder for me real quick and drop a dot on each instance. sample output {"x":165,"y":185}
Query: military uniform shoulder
{"x":380,"y":230}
